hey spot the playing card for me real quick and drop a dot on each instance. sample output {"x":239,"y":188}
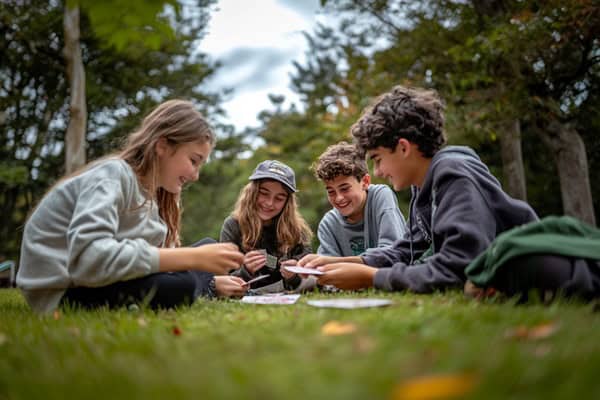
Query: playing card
{"x":258,"y":278}
{"x":271,"y":261}
{"x":301,"y":270}
{"x":275,"y":298}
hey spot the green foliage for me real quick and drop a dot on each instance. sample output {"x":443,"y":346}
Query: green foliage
{"x":127,"y":25}
{"x":226,"y":349}
{"x":122,"y":84}
{"x":493,"y":62}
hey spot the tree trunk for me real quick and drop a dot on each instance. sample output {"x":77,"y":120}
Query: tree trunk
{"x":571,"y":160}
{"x":76,"y":131}
{"x":512,"y":160}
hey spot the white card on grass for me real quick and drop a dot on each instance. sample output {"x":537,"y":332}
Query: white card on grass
{"x":284,"y":299}
{"x":301,"y":270}
{"x":349,"y":303}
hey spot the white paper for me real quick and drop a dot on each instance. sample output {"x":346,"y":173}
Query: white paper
{"x":258,"y":278}
{"x":301,"y":270}
{"x":282,"y":299}
{"x":349,"y":303}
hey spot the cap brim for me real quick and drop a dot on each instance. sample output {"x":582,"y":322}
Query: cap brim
{"x":274,"y":177}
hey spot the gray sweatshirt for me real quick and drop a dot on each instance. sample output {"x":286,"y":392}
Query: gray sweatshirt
{"x":381,"y":226}
{"x":456,"y":214}
{"x":90,"y":231}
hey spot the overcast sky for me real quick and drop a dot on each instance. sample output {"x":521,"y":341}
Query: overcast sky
{"x":256,"y":42}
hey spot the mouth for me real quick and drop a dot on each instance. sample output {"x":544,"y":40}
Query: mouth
{"x":343,"y":205}
{"x":265,"y":211}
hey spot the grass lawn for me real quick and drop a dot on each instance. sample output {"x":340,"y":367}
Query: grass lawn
{"x":225,"y":349}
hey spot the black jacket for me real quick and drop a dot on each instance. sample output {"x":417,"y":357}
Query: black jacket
{"x":230,"y":232}
{"x":454,"y":217}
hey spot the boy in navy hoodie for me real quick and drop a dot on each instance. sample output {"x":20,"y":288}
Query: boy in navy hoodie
{"x":457,"y":208}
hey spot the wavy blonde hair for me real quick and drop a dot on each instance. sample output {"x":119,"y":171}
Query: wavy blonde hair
{"x":179,"y":122}
{"x":292,"y":229}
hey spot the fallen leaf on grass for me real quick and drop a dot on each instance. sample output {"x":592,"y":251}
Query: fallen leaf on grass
{"x":56,"y":315}
{"x":74,"y":330}
{"x":176,"y":331}
{"x":537,"y":332}
{"x":432,"y":387}
{"x":364,"y":344}
{"x":335,"y":328}
{"x":142,"y":322}
{"x":3,"y":339}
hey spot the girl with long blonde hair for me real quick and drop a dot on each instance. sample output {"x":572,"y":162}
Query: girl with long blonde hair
{"x":268,"y":228}
{"x":108,"y":235}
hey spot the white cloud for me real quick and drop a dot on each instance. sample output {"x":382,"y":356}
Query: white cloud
{"x":256,"y":43}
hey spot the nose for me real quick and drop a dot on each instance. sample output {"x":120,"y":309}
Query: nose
{"x":196,"y":174}
{"x":378,"y":172}
{"x":339,"y":197}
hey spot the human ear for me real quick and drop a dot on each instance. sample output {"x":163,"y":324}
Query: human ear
{"x":404,"y":146}
{"x":365,"y":181}
{"x":161,"y":147}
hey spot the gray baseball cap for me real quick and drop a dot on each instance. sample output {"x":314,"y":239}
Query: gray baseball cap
{"x":273,"y":169}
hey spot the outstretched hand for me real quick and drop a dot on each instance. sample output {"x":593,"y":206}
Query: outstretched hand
{"x":316,"y":260}
{"x":348,"y":276}
{"x":230,"y":286}
{"x":219,"y":258}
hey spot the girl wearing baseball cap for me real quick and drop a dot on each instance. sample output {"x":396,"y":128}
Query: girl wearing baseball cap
{"x":267,"y":226}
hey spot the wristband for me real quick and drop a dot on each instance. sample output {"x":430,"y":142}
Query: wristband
{"x":212,"y":288}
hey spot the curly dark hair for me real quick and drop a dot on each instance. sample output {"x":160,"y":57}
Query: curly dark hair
{"x":414,"y":114}
{"x":341,"y":159}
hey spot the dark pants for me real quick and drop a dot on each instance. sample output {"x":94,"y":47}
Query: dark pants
{"x":160,"y":290}
{"x":572,"y":277}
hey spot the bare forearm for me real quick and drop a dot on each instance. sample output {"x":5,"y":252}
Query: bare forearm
{"x":350,"y":259}
{"x":177,"y":259}
{"x":219,"y":258}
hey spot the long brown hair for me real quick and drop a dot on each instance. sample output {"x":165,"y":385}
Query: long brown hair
{"x":179,"y":122}
{"x":292,"y":229}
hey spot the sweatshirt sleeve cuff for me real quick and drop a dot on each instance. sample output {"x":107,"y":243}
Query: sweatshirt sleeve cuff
{"x":154,"y":260}
{"x":381,"y":280}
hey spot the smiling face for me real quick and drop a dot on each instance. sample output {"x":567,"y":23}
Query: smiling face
{"x":180,"y":164}
{"x":402,"y":167}
{"x":271,"y":199}
{"x":348,"y":195}
{"x":390,"y":166}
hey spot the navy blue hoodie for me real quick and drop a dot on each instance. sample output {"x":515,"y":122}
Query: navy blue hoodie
{"x":454,"y":217}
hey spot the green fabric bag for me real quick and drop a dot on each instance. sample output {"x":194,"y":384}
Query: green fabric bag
{"x":565,"y":236}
